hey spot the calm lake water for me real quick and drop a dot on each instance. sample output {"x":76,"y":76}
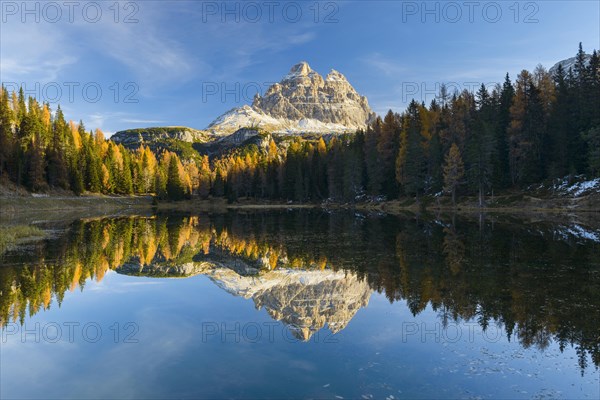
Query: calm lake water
{"x":302,"y":304}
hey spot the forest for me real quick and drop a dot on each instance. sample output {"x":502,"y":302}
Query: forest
{"x":541,"y":127}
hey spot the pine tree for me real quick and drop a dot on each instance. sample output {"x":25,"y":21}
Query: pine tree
{"x":560,"y":146}
{"x":453,"y":171}
{"x":526,"y":132}
{"x":174,"y":187}
{"x":93,"y":172}
{"x":372,"y":164}
{"x":501,"y":177}
{"x":387,"y":150}
{"x":335,"y":170}
{"x":35,"y":178}
{"x":320,"y":170}
{"x":125,"y":178}
{"x":411,"y":166}
{"x":7,"y":138}
{"x":592,"y":138}
{"x":480,"y":146}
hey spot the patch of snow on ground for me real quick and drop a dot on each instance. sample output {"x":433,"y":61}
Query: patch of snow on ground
{"x":576,"y":189}
{"x":580,"y":188}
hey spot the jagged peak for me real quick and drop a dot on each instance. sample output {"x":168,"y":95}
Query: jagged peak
{"x":299,"y":70}
{"x":303,"y":101}
{"x":335,"y":76}
{"x":302,"y":67}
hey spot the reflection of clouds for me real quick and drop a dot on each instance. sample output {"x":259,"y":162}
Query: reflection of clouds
{"x":119,"y":283}
{"x":135,"y":367}
{"x":29,"y":370}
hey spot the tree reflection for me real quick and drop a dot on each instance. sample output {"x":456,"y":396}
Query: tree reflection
{"x":539,"y":286}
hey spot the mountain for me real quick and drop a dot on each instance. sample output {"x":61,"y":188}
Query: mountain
{"x":148,"y":136}
{"x":186,"y":142}
{"x":302,"y":102}
{"x":569,"y":63}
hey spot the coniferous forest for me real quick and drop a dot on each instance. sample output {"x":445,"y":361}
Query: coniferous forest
{"x":542,"y":126}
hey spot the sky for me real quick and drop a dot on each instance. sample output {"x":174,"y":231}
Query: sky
{"x":133,"y":64}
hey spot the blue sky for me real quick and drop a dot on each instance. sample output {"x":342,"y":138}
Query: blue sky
{"x":185,"y":63}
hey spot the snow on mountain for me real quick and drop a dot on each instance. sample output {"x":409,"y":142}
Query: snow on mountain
{"x":302,"y":102}
{"x":569,"y":63}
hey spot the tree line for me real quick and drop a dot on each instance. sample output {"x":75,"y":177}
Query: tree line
{"x":40,"y":151}
{"x":542,"y":126}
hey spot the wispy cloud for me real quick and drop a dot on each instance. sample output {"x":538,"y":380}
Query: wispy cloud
{"x":141,"y":121}
{"x":384,"y":65}
{"x":30,"y":52}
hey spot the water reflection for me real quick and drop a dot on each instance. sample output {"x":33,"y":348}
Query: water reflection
{"x":312,"y":270}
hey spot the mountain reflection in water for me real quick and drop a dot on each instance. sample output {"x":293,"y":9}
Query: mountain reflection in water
{"x":312,"y":269}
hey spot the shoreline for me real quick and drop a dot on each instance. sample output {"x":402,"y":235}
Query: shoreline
{"x":13,"y":206}
{"x":19,"y":213}
{"x":57,"y":206}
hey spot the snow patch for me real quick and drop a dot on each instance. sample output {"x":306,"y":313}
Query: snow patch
{"x":576,"y":189}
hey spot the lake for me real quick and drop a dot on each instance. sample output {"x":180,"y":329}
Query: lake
{"x":302,"y":303}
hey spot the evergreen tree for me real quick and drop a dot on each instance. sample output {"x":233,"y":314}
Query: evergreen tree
{"x":174,"y":187}
{"x":453,"y":171}
{"x":372,"y":163}
{"x":387,"y":150}
{"x":411,"y":161}
{"x":35,"y":178}
{"x":526,"y":132}
{"x":592,"y":137}
{"x":6,"y":133}
{"x":501,"y":177}
{"x":480,"y":146}
{"x":560,"y":147}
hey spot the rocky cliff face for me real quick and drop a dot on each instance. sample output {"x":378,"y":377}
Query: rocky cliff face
{"x":303,"y":101}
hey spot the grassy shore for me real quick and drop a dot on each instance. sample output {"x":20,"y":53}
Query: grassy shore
{"x":18,"y":209}
{"x":11,"y":236}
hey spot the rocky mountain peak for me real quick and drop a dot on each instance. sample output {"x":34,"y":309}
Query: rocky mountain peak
{"x":303,"y":102}
{"x":335,"y":76}
{"x":300,"y":69}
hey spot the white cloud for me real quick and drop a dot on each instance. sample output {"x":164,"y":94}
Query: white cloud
{"x":33,"y":52}
{"x":385,"y":65}
{"x":141,"y":121}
